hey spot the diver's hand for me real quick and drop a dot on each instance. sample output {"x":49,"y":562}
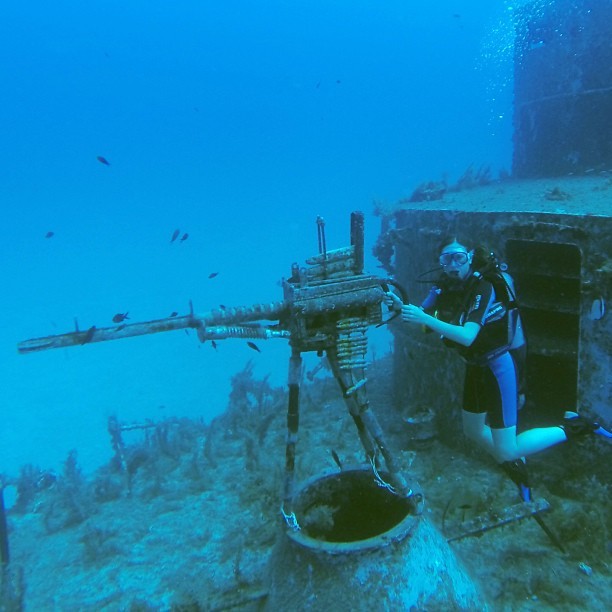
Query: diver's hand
{"x":414,"y":314}
{"x":393,"y":301}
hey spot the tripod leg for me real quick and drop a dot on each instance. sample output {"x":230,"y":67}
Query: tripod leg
{"x":352,"y":384}
{"x":293,"y":421}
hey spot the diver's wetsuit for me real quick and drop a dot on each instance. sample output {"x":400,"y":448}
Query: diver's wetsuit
{"x":492,"y":373}
{"x":518,"y":348}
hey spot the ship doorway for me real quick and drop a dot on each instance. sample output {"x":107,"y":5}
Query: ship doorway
{"x":547,"y":278}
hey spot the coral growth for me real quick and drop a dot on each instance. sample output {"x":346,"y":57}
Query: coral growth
{"x":429,"y":191}
{"x":69,"y":501}
{"x":472,"y":178}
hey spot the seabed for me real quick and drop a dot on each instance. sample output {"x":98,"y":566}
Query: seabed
{"x":194,"y":525}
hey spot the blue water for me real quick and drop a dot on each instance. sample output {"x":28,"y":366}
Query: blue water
{"x":236,"y":121}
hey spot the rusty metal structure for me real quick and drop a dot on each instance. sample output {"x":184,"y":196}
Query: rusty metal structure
{"x":356,"y":536}
{"x":327,"y":308}
{"x":561,"y":262}
{"x":562,"y":88}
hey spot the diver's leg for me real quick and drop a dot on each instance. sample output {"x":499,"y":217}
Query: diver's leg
{"x":538,"y":439}
{"x":509,"y":446}
{"x":476,"y":429}
{"x":505,"y":444}
{"x":511,"y":450}
{"x":500,"y":390}
{"x":474,"y":415}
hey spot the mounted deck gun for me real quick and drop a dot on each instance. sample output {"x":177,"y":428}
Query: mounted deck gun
{"x":327,"y":308}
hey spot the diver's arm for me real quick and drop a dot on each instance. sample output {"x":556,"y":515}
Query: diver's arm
{"x":461,"y":334}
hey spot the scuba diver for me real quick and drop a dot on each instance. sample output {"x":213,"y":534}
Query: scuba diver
{"x":474,"y":309}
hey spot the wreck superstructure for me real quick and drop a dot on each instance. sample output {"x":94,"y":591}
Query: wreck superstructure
{"x":551,"y":224}
{"x":556,"y":245}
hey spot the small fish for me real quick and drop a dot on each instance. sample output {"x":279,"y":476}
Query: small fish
{"x":212,"y":274}
{"x":120,"y":317}
{"x":222,"y":306}
{"x":89,"y":334}
{"x":175,"y":235}
{"x":49,"y":234}
{"x":103,"y":160}
{"x":214,"y":344}
{"x":184,"y":237}
{"x":173,"y":313}
{"x":253,"y":346}
{"x":120,"y":327}
{"x":336,"y":459}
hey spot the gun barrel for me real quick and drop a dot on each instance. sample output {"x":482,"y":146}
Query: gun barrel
{"x":240,"y":314}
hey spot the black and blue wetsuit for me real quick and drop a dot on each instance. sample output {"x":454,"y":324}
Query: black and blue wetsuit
{"x":492,"y":375}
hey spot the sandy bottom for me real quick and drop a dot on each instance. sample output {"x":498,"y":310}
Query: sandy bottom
{"x":190,"y":524}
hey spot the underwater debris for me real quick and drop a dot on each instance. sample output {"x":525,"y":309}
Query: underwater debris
{"x":473,"y":178}
{"x":428,"y":191}
{"x":557,"y":195}
{"x":69,"y":502}
{"x":422,"y":427}
{"x":31,"y":481}
{"x":384,"y":248}
{"x":496,"y":518}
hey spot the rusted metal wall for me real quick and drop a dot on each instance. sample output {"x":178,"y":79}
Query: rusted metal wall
{"x":563,"y":88}
{"x":562,"y":270}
